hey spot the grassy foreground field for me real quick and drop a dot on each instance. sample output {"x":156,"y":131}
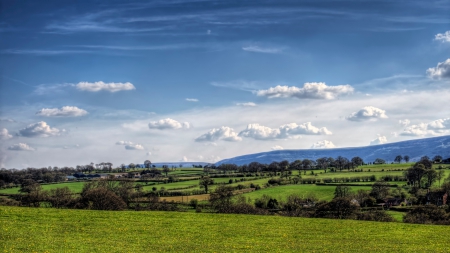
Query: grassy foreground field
{"x":52,"y":230}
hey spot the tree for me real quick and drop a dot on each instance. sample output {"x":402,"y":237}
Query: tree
{"x":306,"y":164}
{"x":274,"y":167}
{"x":342,"y":191}
{"x":322,"y":163}
{"x":340,"y":162}
{"x":147,"y":164}
{"x":166,"y":169}
{"x":379,"y":161}
{"x":132,"y":166}
{"x":431,"y":176}
{"x":358,"y":161}
{"x":406,"y":158}
{"x":437,"y":159}
{"x":398,"y":159}
{"x":61,"y":197}
{"x":221,"y":199}
{"x":296,"y":165}
{"x":380,"y":190}
{"x":205,"y":182}
{"x":414,"y":174}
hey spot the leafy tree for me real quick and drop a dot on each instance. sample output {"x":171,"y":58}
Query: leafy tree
{"x":425,"y":158}
{"x":322,"y":163}
{"x":147,"y":164}
{"x":340,"y":162}
{"x":431,"y":176}
{"x":398,"y":159}
{"x":342,"y":191}
{"x":205,"y":182}
{"x":358,"y":161}
{"x":61,"y":197}
{"x":166,"y":169}
{"x":338,"y":208}
{"x":406,"y":158}
{"x":380,"y":190}
{"x":220,"y":199}
{"x":437,"y":159}
{"x":132,"y":166}
{"x":414,"y":174}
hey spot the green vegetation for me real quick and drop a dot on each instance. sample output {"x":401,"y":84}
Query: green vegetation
{"x":53,"y":230}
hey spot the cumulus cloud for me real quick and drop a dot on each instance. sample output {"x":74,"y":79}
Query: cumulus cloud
{"x":368,"y":113}
{"x":291,"y":130}
{"x":246,"y":104}
{"x":134,"y":147}
{"x":4,"y":134}
{"x":441,"y":71}
{"x":404,"y":122}
{"x":265,"y":50}
{"x":20,"y":147}
{"x":379,"y":140}
{"x":308,"y":91}
{"x":277,"y":147}
{"x":39,"y":129}
{"x":65,"y":111}
{"x":416,"y":130}
{"x":440,"y":124}
{"x":184,"y":159}
{"x":191,"y":99}
{"x":167,"y":124}
{"x":323,"y":144}
{"x":223,"y":133}
{"x":436,"y":127}
{"x":99,"y":86}
{"x":444,"y":37}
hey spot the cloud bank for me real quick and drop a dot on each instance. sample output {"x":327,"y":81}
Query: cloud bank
{"x":20,"y":147}
{"x":379,"y":140}
{"x":223,"y":133}
{"x":101,"y":86}
{"x":323,"y":144}
{"x":308,"y":91}
{"x":368,"y":113}
{"x":168,"y":123}
{"x":291,"y":130}
{"x":441,"y":71}
{"x":65,"y":111}
{"x":39,"y":129}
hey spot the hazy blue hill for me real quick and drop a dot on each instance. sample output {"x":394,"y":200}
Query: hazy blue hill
{"x":413,"y":148}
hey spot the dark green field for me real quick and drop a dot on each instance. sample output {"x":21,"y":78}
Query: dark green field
{"x":53,"y":230}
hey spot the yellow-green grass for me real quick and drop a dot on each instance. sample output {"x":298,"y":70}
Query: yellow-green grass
{"x":281,"y":192}
{"x":75,"y":187}
{"x":398,"y":216}
{"x":53,"y":230}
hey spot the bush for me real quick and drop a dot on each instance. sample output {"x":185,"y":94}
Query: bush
{"x":429,"y":214}
{"x":375,"y":215}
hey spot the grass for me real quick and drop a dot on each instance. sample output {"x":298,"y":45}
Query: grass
{"x":281,"y":192}
{"x":53,"y":230}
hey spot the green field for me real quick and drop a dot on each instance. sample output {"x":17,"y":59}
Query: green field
{"x":53,"y":230}
{"x":281,"y":192}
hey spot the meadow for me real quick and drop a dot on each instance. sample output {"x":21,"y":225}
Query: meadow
{"x":58,"y":230}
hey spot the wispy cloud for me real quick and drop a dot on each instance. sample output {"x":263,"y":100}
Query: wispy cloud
{"x":43,"y":51}
{"x":238,"y":84}
{"x":191,"y":99}
{"x":266,"y":50}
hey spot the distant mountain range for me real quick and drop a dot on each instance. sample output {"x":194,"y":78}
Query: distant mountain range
{"x":413,"y":148}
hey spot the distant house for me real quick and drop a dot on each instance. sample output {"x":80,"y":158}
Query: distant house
{"x":70,"y":178}
{"x":437,"y":198}
{"x":390,"y":202}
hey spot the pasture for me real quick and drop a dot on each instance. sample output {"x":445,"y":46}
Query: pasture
{"x":56,"y":230}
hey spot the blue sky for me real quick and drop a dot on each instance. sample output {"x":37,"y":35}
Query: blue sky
{"x":124,"y":81}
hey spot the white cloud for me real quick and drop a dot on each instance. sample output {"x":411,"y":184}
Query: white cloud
{"x":223,"y":133}
{"x":184,"y":159}
{"x":124,"y":143}
{"x":291,"y":130}
{"x":265,"y":50}
{"x":444,"y":37}
{"x":65,"y":111}
{"x":416,"y":130}
{"x":379,"y":140}
{"x":191,"y":99}
{"x":308,"y":91}
{"x":167,"y":124}
{"x":305,"y":128}
{"x":323,"y":144}
{"x":368,"y":113}
{"x":99,"y":86}
{"x":404,"y":122}
{"x":440,"y":124}
{"x":436,"y":127}
{"x":441,"y":71}
{"x":134,"y":147}
{"x":246,"y":104}
{"x":39,"y":129}
{"x":277,"y":147}
{"x":4,"y":134}
{"x":20,"y":147}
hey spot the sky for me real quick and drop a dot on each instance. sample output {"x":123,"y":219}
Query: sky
{"x":201,"y":81}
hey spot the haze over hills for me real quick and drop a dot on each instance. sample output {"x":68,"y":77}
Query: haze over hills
{"x":413,"y":148}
